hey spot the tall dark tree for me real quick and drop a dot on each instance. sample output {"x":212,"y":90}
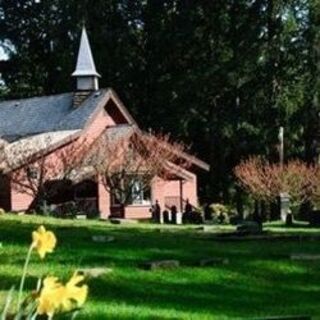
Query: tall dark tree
{"x":223,"y":74}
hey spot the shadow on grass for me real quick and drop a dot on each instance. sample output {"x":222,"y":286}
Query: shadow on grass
{"x":258,"y":281}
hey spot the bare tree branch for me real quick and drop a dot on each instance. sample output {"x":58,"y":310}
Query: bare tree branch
{"x":134,"y":157}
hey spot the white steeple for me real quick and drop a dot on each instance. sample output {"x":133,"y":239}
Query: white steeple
{"x":86,"y":73}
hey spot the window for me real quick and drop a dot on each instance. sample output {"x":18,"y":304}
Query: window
{"x":136,"y":194}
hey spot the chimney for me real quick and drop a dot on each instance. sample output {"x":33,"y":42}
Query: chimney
{"x":87,"y":78}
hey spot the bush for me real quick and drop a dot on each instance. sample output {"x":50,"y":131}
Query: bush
{"x":194,"y":217}
{"x":266,"y":181}
{"x":221,"y":213}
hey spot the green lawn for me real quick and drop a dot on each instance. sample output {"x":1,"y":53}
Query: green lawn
{"x":259,"y":280}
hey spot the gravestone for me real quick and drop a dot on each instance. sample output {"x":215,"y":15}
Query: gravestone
{"x":284,"y":205}
{"x":81,"y":216}
{"x":160,"y":264}
{"x":207,"y":228}
{"x":159,"y":217}
{"x":305,"y":257}
{"x":161,"y":220}
{"x":123,"y":221}
{"x":213,"y":262}
{"x":166,"y":216}
{"x":177,"y":218}
{"x":95,"y":272}
{"x":102,"y":238}
{"x":250,"y":227}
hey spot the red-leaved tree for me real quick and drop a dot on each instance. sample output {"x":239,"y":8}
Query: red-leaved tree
{"x":265,"y":181}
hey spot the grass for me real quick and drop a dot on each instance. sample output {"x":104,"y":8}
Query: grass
{"x":259,"y":281}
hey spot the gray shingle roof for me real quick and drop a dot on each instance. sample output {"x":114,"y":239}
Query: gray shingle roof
{"x":19,"y":118}
{"x":16,"y":153}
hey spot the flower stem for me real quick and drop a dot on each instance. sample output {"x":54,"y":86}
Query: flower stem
{"x":24,"y":273}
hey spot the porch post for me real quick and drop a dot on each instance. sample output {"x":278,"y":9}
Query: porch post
{"x":181,"y":194}
{"x":104,"y":200}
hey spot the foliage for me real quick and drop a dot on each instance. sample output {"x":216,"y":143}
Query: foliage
{"x":51,"y":297}
{"x":218,"y":208}
{"x":192,"y":217}
{"x":220,"y":212}
{"x":223,"y":74}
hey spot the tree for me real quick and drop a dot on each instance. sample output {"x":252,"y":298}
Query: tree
{"x":34,"y":162}
{"x":228,"y":72}
{"x":265,"y":181}
{"x":135,"y":158}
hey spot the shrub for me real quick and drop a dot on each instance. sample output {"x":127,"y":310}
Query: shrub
{"x":220,"y":212}
{"x":194,"y":217}
{"x":265,"y":181}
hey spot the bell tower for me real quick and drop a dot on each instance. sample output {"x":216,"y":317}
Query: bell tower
{"x":85,"y":73}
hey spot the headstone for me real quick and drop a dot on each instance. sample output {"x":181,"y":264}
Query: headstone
{"x":284,"y":204}
{"x":81,"y":216}
{"x":177,"y":218}
{"x":102,"y":238}
{"x":166,"y":216}
{"x":158,"y":217}
{"x":213,"y":262}
{"x":156,"y":212}
{"x":160,"y":264}
{"x":123,"y":221}
{"x":207,"y":228}
{"x":95,"y":272}
{"x":161,"y":220}
{"x":305,"y":257}
{"x":250,"y":227}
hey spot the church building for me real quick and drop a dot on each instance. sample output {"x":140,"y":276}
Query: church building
{"x":46,"y":124}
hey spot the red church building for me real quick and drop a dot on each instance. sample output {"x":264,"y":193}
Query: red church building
{"x":62,"y":120}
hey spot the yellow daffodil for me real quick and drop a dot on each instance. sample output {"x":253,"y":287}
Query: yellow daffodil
{"x":55,"y":297}
{"x":74,"y":292}
{"x":43,"y":241}
{"x":50,"y":297}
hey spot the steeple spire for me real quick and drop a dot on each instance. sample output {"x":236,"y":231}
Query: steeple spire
{"x":86,"y":73}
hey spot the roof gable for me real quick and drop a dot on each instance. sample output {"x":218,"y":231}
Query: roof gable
{"x":117,"y":109}
{"x":25,"y":117}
